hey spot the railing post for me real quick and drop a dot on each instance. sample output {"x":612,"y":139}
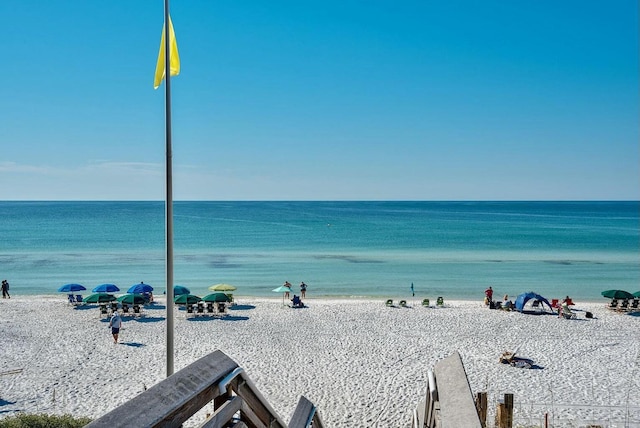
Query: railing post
{"x":481,"y":406}
{"x":504,"y":415}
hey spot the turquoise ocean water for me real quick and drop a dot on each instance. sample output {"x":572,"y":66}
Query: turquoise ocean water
{"x":341,"y":249}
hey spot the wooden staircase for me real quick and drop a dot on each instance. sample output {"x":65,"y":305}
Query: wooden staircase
{"x":214,"y":377}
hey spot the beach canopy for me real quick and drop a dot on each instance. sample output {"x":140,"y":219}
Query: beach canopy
{"x":186,"y":299}
{"x":100,"y":298}
{"x":132,"y":299}
{"x":216,"y":297}
{"x":106,"y":288}
{"x":522,"y":300}
{"x":617,"y":294}
{"x":67,"y":288}
{"x":222,"y":287}
{"x":140,"y":289}
{"x":179,"y":290}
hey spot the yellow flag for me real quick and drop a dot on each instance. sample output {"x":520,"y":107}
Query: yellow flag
{"x":174,"y":58}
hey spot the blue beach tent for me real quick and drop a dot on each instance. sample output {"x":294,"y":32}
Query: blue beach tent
{"x":522,"y":300}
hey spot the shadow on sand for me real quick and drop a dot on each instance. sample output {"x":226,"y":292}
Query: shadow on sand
{"x":146,"y":319}
{"x":5,"y":402}
{"x":224,"y":318}
{"x":241,"y":307}
{"x":133,"y":344}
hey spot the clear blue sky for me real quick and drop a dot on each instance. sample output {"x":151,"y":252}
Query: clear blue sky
{"x":315,"y":100}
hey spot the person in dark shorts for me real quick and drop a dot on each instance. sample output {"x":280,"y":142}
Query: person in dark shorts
{"x":115,"y":323}
{"x":303,"y":290}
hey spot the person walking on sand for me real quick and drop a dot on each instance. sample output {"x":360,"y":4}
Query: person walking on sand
{"x":115,"y":323}
{"x":303,"y":290}
{"x":5,"y":289}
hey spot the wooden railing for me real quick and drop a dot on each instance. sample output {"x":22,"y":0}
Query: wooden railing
{"x":448,"y":401}
{"x":214,"y":377}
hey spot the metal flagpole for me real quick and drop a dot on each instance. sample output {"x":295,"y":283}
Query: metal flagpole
{"x":169,"y":191}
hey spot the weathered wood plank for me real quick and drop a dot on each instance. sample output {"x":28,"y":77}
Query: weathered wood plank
{"x":251,"y":418}
{"x":256,"y":403}
{"x":175,"y":399}
{"x":457,"y":407}
{"x":303,"y":414}
{"x":223,"y":414}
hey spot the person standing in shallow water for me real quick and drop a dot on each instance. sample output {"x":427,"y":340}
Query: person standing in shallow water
{"x":5,"y":289}
{"x":488,"y":293}
{"x":288,"y":285}
{"x":303,"y":290}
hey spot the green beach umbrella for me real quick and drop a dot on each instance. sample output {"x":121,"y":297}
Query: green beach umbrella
{"x":617,"y":294}
{"x":216,"y":297}
{"x":636,"y":294}
{"x":186,"y":299}
{"x":100,"y":298}
{"x":132,"y":299}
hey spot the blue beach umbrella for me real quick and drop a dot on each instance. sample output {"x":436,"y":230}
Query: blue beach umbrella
{"x":68,"y":288}
{"x":179,"y":290}
{"x":106,"y":288}
{"x":140,"y":289}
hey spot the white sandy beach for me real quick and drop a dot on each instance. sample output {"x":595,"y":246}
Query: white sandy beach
{"x":361,"y":363}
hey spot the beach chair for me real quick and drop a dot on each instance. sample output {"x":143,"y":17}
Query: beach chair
{"x":71,"y":298}
{"x":425,"y":302}
{"x":210,"y":309}
{"x":137,"y":311}
{"x":403,"y":303}
{"x":537,"y":306}
{"x":613,"y":304}
{"x":231,"y":301}
{"x":189,"y":310}
{"x":440,"y":301}
{"x":634,"y":305}
{"x":624,"y":306}
{"x":104,"y":311}
{"x":222,"y":308}
{"x":79,"y":300}
{"x":389,"y":303}
{"x":554,"y":303}
{"x":566,"y":313}
{"x":200,"y":309}
{"x":507,"y":357}
{"x":114,"y":307}
{"x":125,"y":308}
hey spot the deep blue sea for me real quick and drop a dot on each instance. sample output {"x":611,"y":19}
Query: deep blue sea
{"x":345,"y":249}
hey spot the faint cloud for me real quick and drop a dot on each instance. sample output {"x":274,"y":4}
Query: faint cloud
{"x":134,"y":168}
{"x":14,"y":167}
